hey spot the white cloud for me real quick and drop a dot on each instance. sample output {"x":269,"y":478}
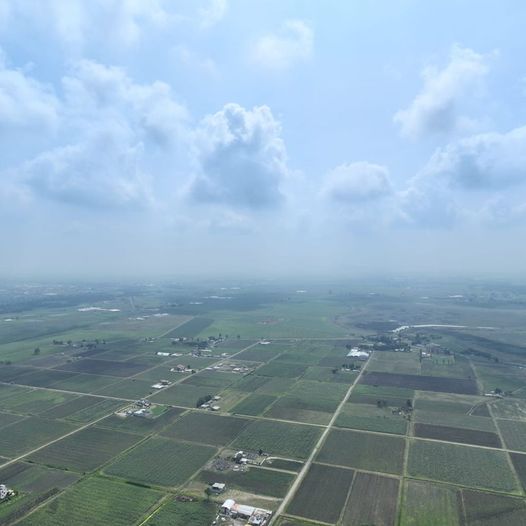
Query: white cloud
{"x":101,"y":172}
{"x":292,"y":44}
{"x":241,"y":158}
{"x":489,"y":161}
{"x":193,"y":61}
{"x":76,"y":21}
{"x":435,"y":108}
{"x":25,"y":103}
{"x":213,"y":13}
{"x":357,"y":182}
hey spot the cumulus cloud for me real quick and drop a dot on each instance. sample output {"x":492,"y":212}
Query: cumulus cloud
{"x":102,"y":172}
{"x":213,"y":13}
{"x":487,"y":161}
{"x":151,"y":109}
{"x":435,"y":108}
{"x":355,"y":182}
{"x":241,"y":158}
{"x":25,"y":103}
{"x":76,"y":21}
{"x":292,"y":44}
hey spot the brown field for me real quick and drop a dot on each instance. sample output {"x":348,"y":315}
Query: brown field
{"x":322,"y":494}
{"x":422,"y":383}
{"x":380,"y":510}
{"x":486,"y":509}
{"x":456,"y":434}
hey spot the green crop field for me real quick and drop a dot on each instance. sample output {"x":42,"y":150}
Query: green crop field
{"x":513,"y":433}
{"x":465,"y":465}
{"x":206,"y":428}
{"x":161,"y":461}
{"x":282,"y":369}
{"x":380,"y":511}
{"x":35,"y":402}
{"x":27,"y":434}
{"x":86,"y":450}
{"x":175,"y":513}
{"x":427,"y":504}
{"x":486,"y":509}
{"x":513,"y":409}
{"x":371,"y":418}
{"x":278,"y":438}
{"x":363,"y":451}
{"x":96,"y":501}
{"x":255,"y":480}
{"x":253,"y":404}
{"x":322,"y":493}
{"x":141,"y":426}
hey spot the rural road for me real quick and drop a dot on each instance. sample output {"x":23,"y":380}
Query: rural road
{"x":317,"y":447}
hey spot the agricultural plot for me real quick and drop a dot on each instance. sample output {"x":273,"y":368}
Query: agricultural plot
{"x":9,"y":418}
{"x":501,"y":377}
{"x":447,"y":403}
{"x":103,"y":367}
{"x":255,"y":480}
{"x":278,"y":438}
{"x":367,"y":417}
{"x":183,"y":395}
{"x":130,"y":389}
{"x":161,"y":461}
{"x":379,"y":510}
{"x":181,"y":513}
{"x":455,"y":434}
{"x":509,"y":408}
{"x":322,"y":493}
{"x":478,"y":423}
{"x":366,"y":451}
{"x":288,"y":465}
{"x":370,"y":394}
{"x":141,"y":426}
{"x":250,"y":383}
{"x":190,"y":328}
{"x":282,"y":369}
{"x":95,"y":411}
{"x":6,"y":391}
{"x":254,"y":404}
{"x":276,"y":386}
{"x":85,"y":383}
{"x":513,"y":433}
{"x":395,"y":362}
{"x":43,"y":377}
{"x":211,"y":379}
{"x":34,"y":484}
{"x":96,"y":501}
{"x":27,"y":434}
{"x":311,"y":411}
{"x":519,"y":463}
{"x":486,"y":509}
{"x":205,"y":428}
{"x":427,"y":504}
{"x":464,"y":465}
{"x":71,"y":407}
{"x":422,"y":383}
{"x":261,"y":353}
{"x":37,"y":401}
{"x":328,"y":374}
{"x":86,"y":450}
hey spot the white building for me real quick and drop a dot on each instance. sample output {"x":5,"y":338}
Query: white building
{"x":356,"y":353}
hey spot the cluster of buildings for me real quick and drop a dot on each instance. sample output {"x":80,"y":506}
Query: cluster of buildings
{"x":161,"y":384}
{"x":5,"y":492}
{"x":252,"y":515}
{"x":143,"y":409}
{"x":358,"y":354}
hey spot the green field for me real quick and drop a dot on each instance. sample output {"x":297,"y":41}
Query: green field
{"x":255,"y":480}
{"x":278,"y":438}
{"x":161,"y":461}
{"x":464,"y":465}
{"x":427,"y":504}
{"x":174,"y":513}
{"x":86,"y":450}
{"x":513,"y":433}
{"x":254,"y":404}
{"x":366,"y":451}
{"x":96,"y":501}
{"x":371,"y":418}
{"x":206,"y":428}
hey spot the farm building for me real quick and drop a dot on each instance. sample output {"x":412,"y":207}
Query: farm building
{"x":5,"y":492}
{"x":253,"y":516}
{"x":217,"y":487}
{"x":357,"y":353}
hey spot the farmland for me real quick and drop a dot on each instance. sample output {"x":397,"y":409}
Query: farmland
{"x":412,"y":443}
{"x":161,"y":461}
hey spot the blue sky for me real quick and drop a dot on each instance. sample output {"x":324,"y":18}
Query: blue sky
{"x":247,"y":137}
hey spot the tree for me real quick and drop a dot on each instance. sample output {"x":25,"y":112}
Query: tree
{"x":36,"y":351}
{"x":409,"y":403}
{"x":498,"y":390}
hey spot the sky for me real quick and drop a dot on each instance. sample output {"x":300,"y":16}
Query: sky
{"x":248,"y":137}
